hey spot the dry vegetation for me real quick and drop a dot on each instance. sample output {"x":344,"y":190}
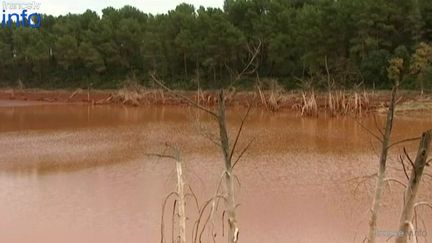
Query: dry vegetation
{"x":273,"y":98}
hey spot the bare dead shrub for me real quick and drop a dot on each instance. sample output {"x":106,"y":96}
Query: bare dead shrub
{"x":131,"y":93}
{"x":309,"y":106}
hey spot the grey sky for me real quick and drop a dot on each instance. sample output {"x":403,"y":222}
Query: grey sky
{"x":57,"y":7}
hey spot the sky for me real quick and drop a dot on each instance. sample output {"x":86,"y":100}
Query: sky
{"x":62,"y":7}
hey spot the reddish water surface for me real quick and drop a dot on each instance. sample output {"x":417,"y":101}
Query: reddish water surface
{"x":73,"y":173}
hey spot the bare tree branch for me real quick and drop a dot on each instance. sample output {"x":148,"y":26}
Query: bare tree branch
{"x":368,"y":130}
{"x":377,"y":126}
{"x":163,"y":213}
{"x":404,"y":141}
{"x":239,"y":131}
{"x":201,"y":215}
{"x":187,"y":99}
{"x":238,"y":180}
{"x":194,"y":196}
{"x":396,"y":180}
{"x":173,"y":220}
{"x":242,"y":152}
{"x":162,"y":156}
{"x":254,"y":56}
{"x":207,"y":134}
{"x":408,"y":211}
{"x":427,"y":204}
{"x":403,"y":166}
{"x":409,"y":158}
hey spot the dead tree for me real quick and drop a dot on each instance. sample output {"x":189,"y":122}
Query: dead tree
{"x":411,"y":192}
{"x":180,"y":201}
{"x":394,"y":73}
{"x":223,"y":141}
{"x":385,"y":141}
{"x":229,"y":179}
{"x":227,"y":150}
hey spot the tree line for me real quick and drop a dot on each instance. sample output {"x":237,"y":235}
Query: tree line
{"x":297,"y":42}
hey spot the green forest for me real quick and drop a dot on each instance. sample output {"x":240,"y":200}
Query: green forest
{"x":296,"y":42}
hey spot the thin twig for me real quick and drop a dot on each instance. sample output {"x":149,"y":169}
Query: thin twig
{"x":194,"y":196}
{"x":255,"y":54}
{"x":163,"y":156}
{"x":163,"y":213}
{"x":403,"y":166}
{"x":173,"y":220}
{"x":238,"y":180}
{"x":364,"y":180}
{"x":409,"y":158}
{"x":362,"y":177}
{"x":204,"y":131}
{"x":239,"y":132}
{"x":242,"y":152}
{"x":373,"y":148}
{"x":377,"y":127}
{"x":201,"y":211}
{"x":396,"y":180}
{"x":412,"y":163}
{"x":427,"y":204}
{"x":201,"y":215}
{"x":404,"y":141}
{"x":223,"y":223}
{"x":190,"y":101}
{"x":368,"y":130}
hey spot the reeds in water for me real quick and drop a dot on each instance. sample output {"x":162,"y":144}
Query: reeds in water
{"x":334,"y":103}
{"x":272,"y":101}
{"x":309,"y":105}
{"x":343,"y":103}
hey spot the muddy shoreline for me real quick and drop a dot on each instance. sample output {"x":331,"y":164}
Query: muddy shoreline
{"x":287,"y":100}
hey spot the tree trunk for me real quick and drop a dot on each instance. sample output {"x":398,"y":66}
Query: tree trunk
{"x":185,"y":65}
{"x":414,"y":183}
{"x":198,"y":82}
{"x":329,"y":88}
{"x":382,"y":169}
{"x":229,"y":184}
{"x":422,"y":87}
{"x":181,"y":200}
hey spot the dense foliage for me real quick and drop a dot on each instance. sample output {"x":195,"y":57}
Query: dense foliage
{"x":301,"y":42}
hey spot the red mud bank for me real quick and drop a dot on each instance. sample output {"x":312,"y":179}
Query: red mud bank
{"x":290,"y":100}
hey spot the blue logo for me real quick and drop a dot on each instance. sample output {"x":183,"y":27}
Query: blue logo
{"x":21,"y":14}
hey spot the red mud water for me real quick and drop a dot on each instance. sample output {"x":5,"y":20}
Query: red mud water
{"x":76,"y":173}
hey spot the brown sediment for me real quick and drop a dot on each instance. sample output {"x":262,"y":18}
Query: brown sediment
{"x":53,"y":96}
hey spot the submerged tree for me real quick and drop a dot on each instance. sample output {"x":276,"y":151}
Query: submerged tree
{"x":228,"y":151}
{"x":418,"y":166}
{"x":180,"y":196}
{"x":395,"y":73}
